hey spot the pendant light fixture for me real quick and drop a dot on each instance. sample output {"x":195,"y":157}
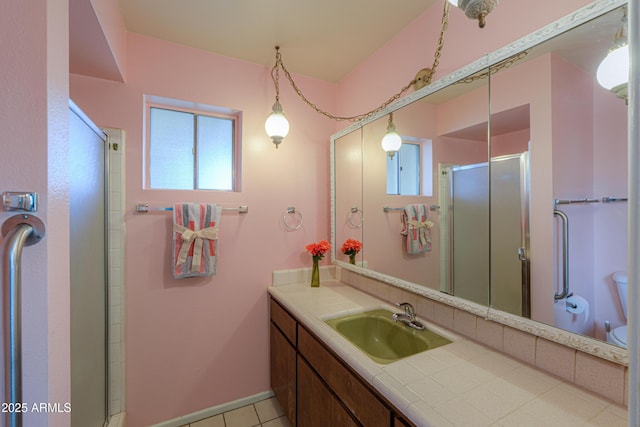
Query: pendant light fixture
{"x":613,"y":71}
{"x":276,"y":125}
{"x":476,"y":9}
{"x":391,"y":141}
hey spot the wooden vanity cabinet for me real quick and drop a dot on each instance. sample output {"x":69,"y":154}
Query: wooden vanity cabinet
{"x":317,"y":389}
{"x":317,"y":406}
{"x":352,"y":392}
{"x":283,"y":360}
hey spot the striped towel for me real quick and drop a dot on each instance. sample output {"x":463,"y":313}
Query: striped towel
{"x":416,"y":228}
{"x":195,"y":239}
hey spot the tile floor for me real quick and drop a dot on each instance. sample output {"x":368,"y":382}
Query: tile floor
{"x":266,"y":413}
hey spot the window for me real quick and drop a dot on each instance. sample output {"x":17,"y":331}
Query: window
{"x":409,"y":171}
{"x":190,"y":150}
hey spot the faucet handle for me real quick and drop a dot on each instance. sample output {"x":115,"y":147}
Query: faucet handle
{"x":408,"y":309}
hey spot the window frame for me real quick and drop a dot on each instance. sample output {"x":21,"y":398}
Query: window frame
{"x":196,"y":110}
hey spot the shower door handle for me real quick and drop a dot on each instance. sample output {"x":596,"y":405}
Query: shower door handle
{"x":526,"y":282}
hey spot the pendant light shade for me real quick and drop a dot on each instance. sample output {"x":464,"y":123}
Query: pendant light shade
{"x":391,"y":141}
{"x":613,"y":71}
{"x":277,"y":125}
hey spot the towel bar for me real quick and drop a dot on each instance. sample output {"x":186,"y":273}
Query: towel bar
{"x":557,"y":202}
{"x":144,"y":208}
{"x":389,"y":209}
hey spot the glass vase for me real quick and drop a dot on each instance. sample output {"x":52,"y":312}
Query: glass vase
{"x":352,"y":259}
{"x":315,"y":274}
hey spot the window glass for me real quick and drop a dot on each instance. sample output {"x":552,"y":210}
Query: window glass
{"x":215,"y":153}
{"x":171,"y":149}
{"x":409,"y":165}
{"x":188,"y":150}
{"x":403,"y":171}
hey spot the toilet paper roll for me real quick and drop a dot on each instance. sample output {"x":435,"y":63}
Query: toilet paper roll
{"x":578,"y":305}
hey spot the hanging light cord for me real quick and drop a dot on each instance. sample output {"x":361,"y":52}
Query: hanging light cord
{"x":436,"y":61}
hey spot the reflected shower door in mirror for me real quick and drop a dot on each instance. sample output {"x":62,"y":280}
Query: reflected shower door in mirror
{"x":349,"y":212}
{"x":576,"y":135}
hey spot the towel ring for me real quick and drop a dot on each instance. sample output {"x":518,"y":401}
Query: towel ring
{"x":292,"y":211}
{"x":354,"y":210}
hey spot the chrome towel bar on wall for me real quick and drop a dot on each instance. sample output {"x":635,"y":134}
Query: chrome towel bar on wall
{"x":144,"y":208}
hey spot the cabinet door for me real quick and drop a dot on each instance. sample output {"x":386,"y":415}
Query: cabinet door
{"x":360,"y":399}
{"x":317,"y":407}
{"x":283,"y":373}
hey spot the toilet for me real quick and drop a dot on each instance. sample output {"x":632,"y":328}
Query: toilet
{"x":618,"y":336}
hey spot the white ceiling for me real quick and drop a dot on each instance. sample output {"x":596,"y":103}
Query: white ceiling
{"x":324,"y":39}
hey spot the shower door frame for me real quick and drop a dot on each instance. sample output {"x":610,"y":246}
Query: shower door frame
{"x":446,"y":174}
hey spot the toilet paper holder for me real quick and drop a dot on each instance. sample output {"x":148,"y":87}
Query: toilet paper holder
{"x":569,"y":303}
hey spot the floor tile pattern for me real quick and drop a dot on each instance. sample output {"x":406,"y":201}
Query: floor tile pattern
{"x":265,"y":413}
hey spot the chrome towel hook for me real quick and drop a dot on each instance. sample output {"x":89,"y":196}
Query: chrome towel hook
{"x":353,"y":211}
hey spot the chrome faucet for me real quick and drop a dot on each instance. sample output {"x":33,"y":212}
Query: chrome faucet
{"x":408,"y":317}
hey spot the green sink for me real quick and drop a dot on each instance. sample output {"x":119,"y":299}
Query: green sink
{"x":382,"y":339}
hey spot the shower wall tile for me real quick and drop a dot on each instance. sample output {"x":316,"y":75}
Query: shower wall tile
{"x":115,"y":222}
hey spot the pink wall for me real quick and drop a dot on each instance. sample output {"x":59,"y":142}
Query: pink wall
{"x":398,"y":61}
{"x":115,"y":31}
{"x":193,"y":344}
{"x":573,"y":178}
{"x":610,"y":168}
{"x":510,"y":143}
{"x":34,"y":118}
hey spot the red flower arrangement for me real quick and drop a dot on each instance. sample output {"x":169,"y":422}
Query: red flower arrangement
{"x":317,"y":250}
{"x":351,"y":247}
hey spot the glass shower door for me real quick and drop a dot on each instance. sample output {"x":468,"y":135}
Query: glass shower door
{"x":87,"y":208}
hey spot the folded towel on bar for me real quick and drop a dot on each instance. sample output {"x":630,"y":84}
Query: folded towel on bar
{"x":195,"y":239}
{"x":417,"y":228}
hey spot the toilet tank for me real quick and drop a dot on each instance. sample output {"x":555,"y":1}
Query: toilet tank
{"x":621,"y":279}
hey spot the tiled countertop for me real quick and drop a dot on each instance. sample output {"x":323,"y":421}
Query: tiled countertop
{"x":459,"y":384}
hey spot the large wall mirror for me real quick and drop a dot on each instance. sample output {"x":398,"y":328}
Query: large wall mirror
{"x":514,"y":170}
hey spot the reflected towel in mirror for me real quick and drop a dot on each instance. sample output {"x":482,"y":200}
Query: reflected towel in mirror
{"x":417,"y":228}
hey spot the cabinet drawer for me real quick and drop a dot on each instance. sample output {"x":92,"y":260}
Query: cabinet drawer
{"x":350,"y":390}
{"x":284,"y":321}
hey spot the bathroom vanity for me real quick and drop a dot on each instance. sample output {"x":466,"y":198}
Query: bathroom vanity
{"x":320,"y":378}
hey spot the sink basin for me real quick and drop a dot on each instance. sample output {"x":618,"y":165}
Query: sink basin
{"x":382,"y":339}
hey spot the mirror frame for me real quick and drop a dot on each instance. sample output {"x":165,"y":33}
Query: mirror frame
{"x":583,"y":343}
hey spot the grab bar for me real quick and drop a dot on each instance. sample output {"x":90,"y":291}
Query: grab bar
{"x":19,"y":231}
{"x":565,"y":255}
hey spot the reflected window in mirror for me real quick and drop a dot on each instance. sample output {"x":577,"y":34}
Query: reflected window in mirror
{"x":409,"y":171}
